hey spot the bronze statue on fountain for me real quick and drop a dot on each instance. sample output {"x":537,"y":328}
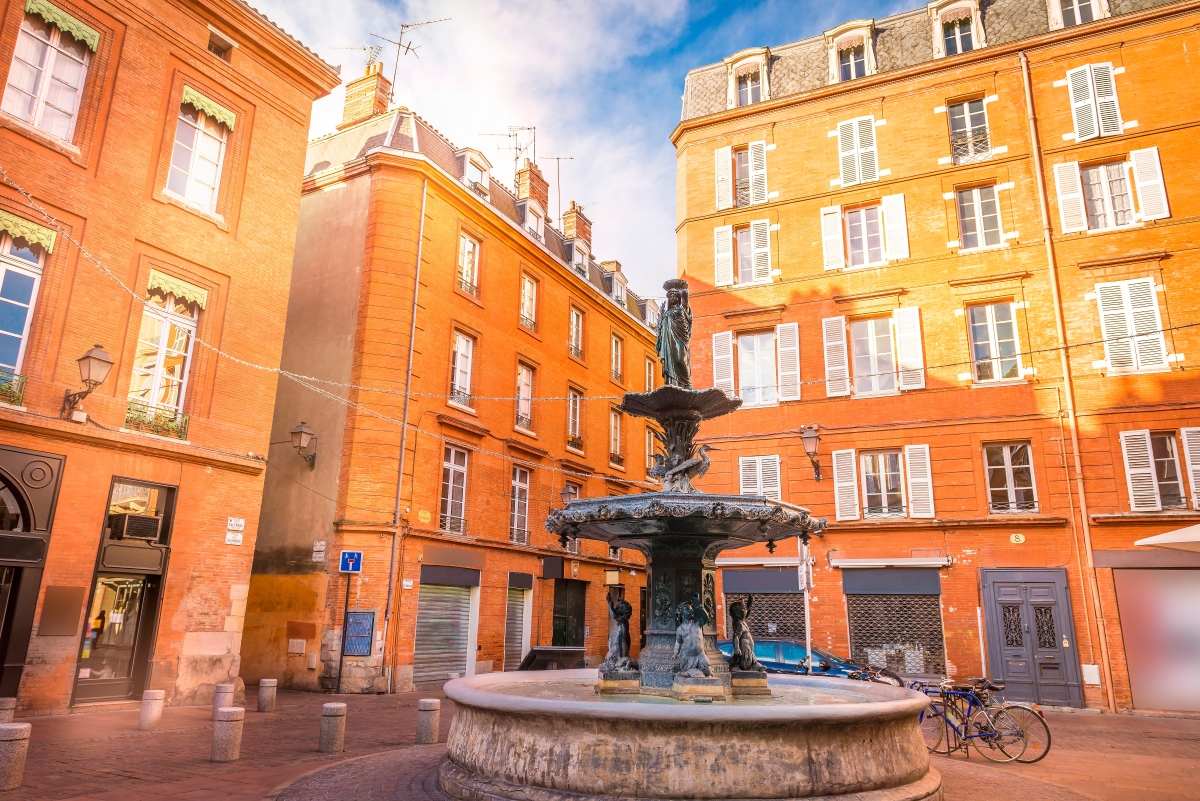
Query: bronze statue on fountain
{"x":681,"y":529}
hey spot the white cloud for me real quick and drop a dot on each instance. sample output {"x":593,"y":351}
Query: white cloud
{"x":572,"y":68}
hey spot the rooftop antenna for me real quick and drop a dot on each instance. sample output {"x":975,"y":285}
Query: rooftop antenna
{"x":518,"y":150}
{"x":404,"y":48}
{"x":558,"y":160}
{"x":372,"y":51}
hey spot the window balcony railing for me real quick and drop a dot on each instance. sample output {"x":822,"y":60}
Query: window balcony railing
{"x":452,"y":524}
{"x":520,"y":536}
{"x":460,"y":397}
{"x":479,"y":189}
{"x":525,"y":421}
{"x":572,"y":545}
{"x":1013,"y":507}
{"x":1173,"y":503}
{"x":971,"y":145}
{"x":616,"y":459}
{"x":890,"y":510}
{"x":534,"y":233}
{"x":617,"y":375}
{"x":742,"y":195}
{"x":575,"y":442}
{"x":162,"y":421}
{"x":528,"y":322}
{"x":576,"y":350}
{"x":12,"y":388}
{"x":466,"y":286}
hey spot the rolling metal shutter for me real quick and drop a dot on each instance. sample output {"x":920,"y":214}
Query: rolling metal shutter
{"x":773,"y":614}
{"x":514,"y":629}
{"x":443,"y":618}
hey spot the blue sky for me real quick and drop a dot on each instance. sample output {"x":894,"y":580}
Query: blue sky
{"x":601,"y":81}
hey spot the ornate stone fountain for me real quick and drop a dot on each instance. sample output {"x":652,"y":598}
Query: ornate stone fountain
{"x":679,"y":723}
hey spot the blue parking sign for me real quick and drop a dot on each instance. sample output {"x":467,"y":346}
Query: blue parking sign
{"x":351,"y":562}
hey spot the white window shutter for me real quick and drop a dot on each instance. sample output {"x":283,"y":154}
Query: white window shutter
{"x":1108,"y":110}
{"x":723,"y":170}
{"x":845,"y":484}
{"x":1115,"y":327}
{"x":787,"y":355}
{"x":723,"y":255}
{"x":868,"y":156}
{"x":758,"y":171}
{"x":723,"y":362}
{"x":832,"y":244}
{"x":749,"y":475}
{"x":909,"y":350}
{"x":920,"y":480}
{"x":760,"y":249}
{"x":837,"y":362}
{"x":1191,"y":456}
{"x":1148,"y":179}
{"x":847,"y":153}
{"x":895,"y":224}
{"x":1139,"y":471}
{"x":1071,"y":210}
{"x":1083,"y":102}
{"x":768,"y":472}
{"x":1149,"y":343}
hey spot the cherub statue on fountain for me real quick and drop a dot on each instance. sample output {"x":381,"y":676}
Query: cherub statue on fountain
{"x":617,"y":658}
{"x":743,"y":641}
{"x":690,"y":659}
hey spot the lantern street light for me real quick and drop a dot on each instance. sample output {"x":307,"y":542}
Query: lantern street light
{"x":812,"y":446}
{"x":93,"y":369}
{"x":568,"y":493}
{"x":302,"y":437}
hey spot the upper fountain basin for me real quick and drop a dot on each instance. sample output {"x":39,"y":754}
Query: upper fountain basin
{"x":700,"y":404}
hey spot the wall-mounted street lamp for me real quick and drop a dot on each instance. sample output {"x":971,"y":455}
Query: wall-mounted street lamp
{"x":302,"y":437}
{"x":812,"y":446}
{"x":93,"y":369}
{"x":568,"y":493}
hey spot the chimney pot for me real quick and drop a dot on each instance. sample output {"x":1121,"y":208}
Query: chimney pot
{"x":576,"y":225}
{"x":366,"y":97}
{"x":532,"y":186}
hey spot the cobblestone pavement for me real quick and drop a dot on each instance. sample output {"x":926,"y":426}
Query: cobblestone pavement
{"x":103,"y":756}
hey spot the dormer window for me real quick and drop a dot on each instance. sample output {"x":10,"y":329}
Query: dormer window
{"x":619,"y":292}
{"x":533,"y":223}
{"x":749,"y":88}
{"x":1069,"y":13}
{"x":749,"y":80}
{"x":852,"y":62}
{"x":851,"y":50}
{"x":475,"y":171}
{"x":957,"y":35}
{"x":957,"y":27}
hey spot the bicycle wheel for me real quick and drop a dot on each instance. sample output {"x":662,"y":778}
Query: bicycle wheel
{"x":933,"y":729}
{"x":1000,"y":737}
{"x":887,"y":677}
{"x":1036,"y":731}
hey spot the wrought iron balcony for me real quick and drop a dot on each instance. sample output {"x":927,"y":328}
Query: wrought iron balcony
{"x":12,"y":388}
{"x":742,"y":195}
{"x":1013,"y":507}
{"x":162,"y":421}
{"x":519,"y":536}
{"x":466,"y":286}
{"x":534,"y":233}
{"x":575,"y":442}
{"x":616,"y":459}
{"x":460,"y":397}
{"x":576,"y":350}
{"x":528,"y":322}
{"x":890,"y":510}
{"x":525,"y":421}
{"x":572,"y":546}
{"x":452,"y":525}
{"x":1174,"y":503}
{"x":479,"y":189}
{"x":970,"y":145}
{"x":617,"y":375}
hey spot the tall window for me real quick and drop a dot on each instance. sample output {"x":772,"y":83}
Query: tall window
{"x":574,"y":419}
{"x":614,"y":438}
{"x":1106,"y":193}
{"x":1076,"y":12}
{"x":46,"y":77}
{"x":576,"y":335}
{"x":20,"y":273}
{"x":468,"y":265}
{"x":852,"y":62}
{"x":1010,"y":477}
{"x":756,"y":368}
{"x":979,"y":218}
{"x":874,"y":355}
{"x":196,"y":158}
{"x":741,"y":177}
{"x":454,"y":491}
{"x":651,"y":447}
{"x":864,"y":236}
{"x":743,"y":255}
{"x":519,"y":506}
{"x":957,"y":36}
{"x":1152,"y":470}
{"x":617,"y":358}
{"x":749,"y":88}
{"x":969,"y":140}
{"x":533,"y":223}
{"x":882,"y":484}
{"x":460,"y":369}
{"x":525,"y":397}
{"x":649,"y":375}
{"x":994,"y":348}
{"x":528,"y":303}
{"x":164,"y":350}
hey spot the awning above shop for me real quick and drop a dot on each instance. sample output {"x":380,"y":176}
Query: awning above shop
{"x":1184,"y":539}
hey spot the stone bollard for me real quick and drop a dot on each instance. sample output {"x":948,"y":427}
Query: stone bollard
{"x":8,"y":708}
{"x":333,"y":729}
{"x":152,"y":706}
{"x":227,"y":734}
{"x":429,"y":720}
{"x":223,"y":697}
{"x":266,"y":694}
{"x":14,"y":744}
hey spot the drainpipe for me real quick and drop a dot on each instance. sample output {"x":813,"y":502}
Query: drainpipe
{"x":1068,"y":384}
{"x":412,"y":334}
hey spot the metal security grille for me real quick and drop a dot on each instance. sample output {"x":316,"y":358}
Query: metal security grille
{"x":443,"y":618}
{"x":514,"y":629}
{"x":773,"y":614}
{"x":1043,"y":620}
{"x":898,"y":632}
{"x":359,"y":626}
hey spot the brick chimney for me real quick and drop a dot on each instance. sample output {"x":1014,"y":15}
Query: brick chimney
{"x":576,"y":225}
{"x":532,"y":186}
{"x":366,"y":97}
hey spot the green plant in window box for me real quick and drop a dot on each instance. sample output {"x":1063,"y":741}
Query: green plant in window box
{"x":12,"y":388}
{"x":163,"y":422}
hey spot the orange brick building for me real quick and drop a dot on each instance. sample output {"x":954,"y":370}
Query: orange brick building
{"x":163,"y":141}
{"x":418,"y":275}
{"x":958,"y":239}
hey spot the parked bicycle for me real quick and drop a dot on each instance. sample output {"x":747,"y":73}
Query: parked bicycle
{"x":960,"y":715}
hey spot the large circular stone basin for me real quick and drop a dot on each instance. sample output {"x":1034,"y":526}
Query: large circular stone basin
{"x":547,"y":736}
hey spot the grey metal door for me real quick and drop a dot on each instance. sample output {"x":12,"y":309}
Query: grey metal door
{"x":443,"y":620}
{"x":514,"y":629}
{"x":1031,"y":636}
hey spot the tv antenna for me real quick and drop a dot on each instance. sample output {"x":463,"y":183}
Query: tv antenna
{"x":372,"y":51}
{"x":558,"y":160}
{"x":404,"y":48}
{"x":518,"y":150}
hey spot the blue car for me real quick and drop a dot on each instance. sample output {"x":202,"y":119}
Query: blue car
{"x":787,"y":656}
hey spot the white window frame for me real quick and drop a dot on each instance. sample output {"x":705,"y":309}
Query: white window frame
{"x":651,"y":449}
{"x":748,"y":60}
{"x":614,"y":434}
{"x":533,"y":221}
{"x":468,"y":264}
{"x":976,"y":154}
{"x":190,"y":174}
{"x":863,"y":457}
{"x":766,"y":390}
{"x":1141,"y":470}
{"x":977,"y":199}
{"x":528,"y":301}
{"x":1147,"y":189}
{"x":751,"y":87}
{"x":842,"y":37}
{"x":993,"y":342}
{"x":574,"y":414}
{"x":1100,"y":10}
{"x":460,"y":375}
{"x":518,"y":520}
{"x":1106,"y":196}
{"x":617,"y":358}
{"x":27,"y":269}
{"x":41,"y":90}
{"x":1012,"y":506}
{"x":649,"y":375}
{"x":451,"y":471}
{"x":883,"y":250}
{"x":575,"y":336}
{"x":875,"y":374}
{"x":524,"y":397}
{"x":166,"y":318}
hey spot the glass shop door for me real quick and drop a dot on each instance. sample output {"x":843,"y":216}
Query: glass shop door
{"x":112,"y":633}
